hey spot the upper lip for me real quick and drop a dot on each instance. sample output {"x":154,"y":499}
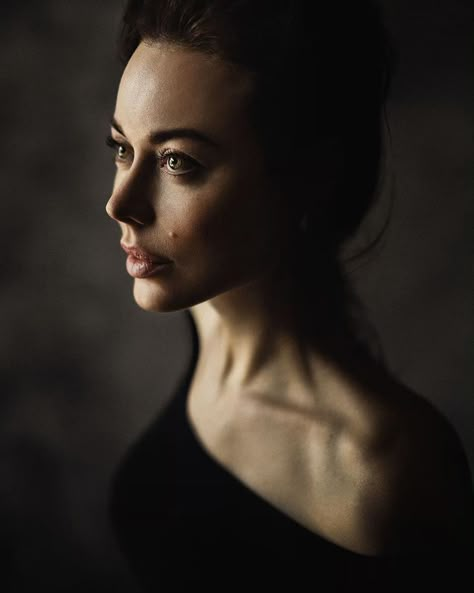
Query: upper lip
{"x":140,"y":253}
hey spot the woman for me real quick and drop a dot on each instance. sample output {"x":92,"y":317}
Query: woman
{"x":247,"y":140}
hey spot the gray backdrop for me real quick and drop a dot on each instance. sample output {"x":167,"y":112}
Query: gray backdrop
{"x":84,"y":369}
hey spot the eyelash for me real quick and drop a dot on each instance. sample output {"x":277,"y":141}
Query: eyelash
{"x":163,"y":155}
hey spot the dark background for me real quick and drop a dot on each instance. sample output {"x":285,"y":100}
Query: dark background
{"x":83,"y":369}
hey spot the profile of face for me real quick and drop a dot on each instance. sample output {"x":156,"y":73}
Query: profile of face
{"x":191,"y":184}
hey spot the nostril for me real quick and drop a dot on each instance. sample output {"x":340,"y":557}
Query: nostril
{"x":115,"y":209}
{"x":130,"y":203}
{"x":121,"y":213}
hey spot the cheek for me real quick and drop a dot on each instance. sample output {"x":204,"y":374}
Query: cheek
{"x":231,"y":224}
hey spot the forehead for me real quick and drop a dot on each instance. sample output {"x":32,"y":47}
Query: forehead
{"x":165,"y":85}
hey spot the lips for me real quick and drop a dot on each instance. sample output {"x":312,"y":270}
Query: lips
{"x":143,"y":255}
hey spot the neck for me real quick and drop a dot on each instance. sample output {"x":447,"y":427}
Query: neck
{"x":263,"y":328}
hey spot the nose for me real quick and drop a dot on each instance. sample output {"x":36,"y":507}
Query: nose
{"x":131,"y":201}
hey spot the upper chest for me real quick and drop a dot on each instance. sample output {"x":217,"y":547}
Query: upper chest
{"x":307,"y":465}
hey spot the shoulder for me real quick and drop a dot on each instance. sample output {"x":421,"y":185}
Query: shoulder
{"x":414,"y":489}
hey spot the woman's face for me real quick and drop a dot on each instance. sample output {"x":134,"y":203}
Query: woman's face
{"x":190,"y":183}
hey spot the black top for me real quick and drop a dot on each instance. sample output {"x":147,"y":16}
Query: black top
{"x":185,"y":523}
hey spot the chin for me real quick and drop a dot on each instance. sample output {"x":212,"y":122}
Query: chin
{"x":161,"y":296}
{"x":156,"y":298}
{"x":150,"y":296}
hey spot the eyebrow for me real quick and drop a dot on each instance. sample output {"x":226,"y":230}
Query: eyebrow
{"x":160,"y":136}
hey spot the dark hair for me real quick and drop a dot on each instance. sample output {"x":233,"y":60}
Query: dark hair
{"x":325,"y":66}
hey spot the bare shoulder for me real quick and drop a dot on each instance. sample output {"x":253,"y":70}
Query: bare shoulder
{"x":415,"y":488}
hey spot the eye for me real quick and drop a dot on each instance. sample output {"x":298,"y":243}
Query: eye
{"x":177,"y":163}
{"x":174,"y":162}
{"x":122,"y":152}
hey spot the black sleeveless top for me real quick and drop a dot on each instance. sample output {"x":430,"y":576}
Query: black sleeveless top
{"x":185,"y":523}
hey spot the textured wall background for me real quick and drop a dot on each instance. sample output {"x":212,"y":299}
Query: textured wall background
{"x":83,"y":369}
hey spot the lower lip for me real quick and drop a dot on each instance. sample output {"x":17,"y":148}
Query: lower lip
{"x":139,"y":268}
